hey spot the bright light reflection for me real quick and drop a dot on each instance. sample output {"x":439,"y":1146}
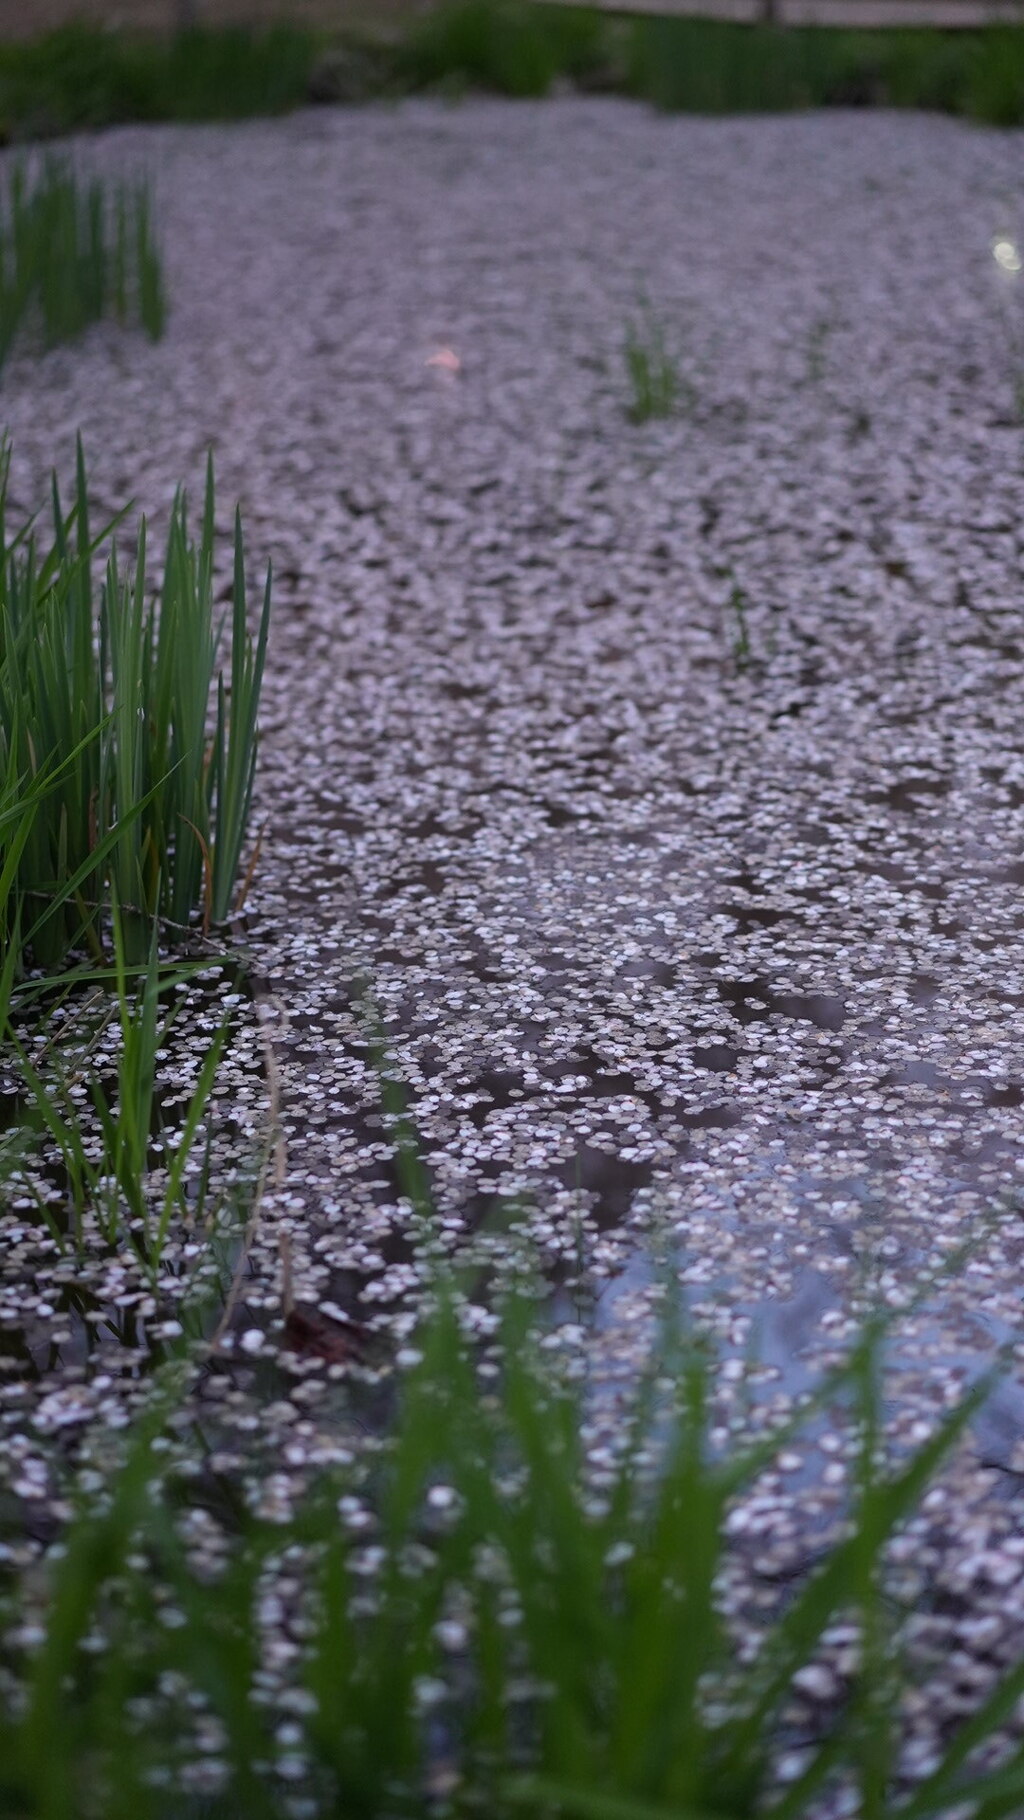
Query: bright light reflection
{"x":1006,"y":256}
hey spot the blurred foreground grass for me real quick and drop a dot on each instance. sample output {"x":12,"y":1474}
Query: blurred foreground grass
{"x":480,"y":1619}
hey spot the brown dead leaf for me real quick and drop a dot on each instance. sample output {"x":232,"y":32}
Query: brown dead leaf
{"x":313,"y":1334}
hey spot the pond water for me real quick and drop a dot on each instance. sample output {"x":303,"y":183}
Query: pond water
{"x":654,"y":792}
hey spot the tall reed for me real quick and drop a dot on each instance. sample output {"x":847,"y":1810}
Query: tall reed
{"x":122,"y":728}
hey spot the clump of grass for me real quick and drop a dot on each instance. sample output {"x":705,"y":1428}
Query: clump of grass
{"x":817,"y":342}
{"x":656,"y":388}
{"x":499,"y":1632}
{"x":702,"y":66}
{"x":994,"y":77}
{"x":72,"y":252}
{"x":131,"y":745}
{"x":18,"y":806}
{"x":105,"y":1158}
{"x":106,"y":1165}
{"x":500,"y":45}
{"x":84,"y":76}
{"x":714,"y":66}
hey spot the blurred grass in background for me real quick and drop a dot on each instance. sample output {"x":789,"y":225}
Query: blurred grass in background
{"x":82,"y":76}
{"x":73,"y":250}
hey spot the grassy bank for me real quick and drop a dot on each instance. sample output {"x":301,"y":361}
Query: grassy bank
{"x":81,"y":77}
